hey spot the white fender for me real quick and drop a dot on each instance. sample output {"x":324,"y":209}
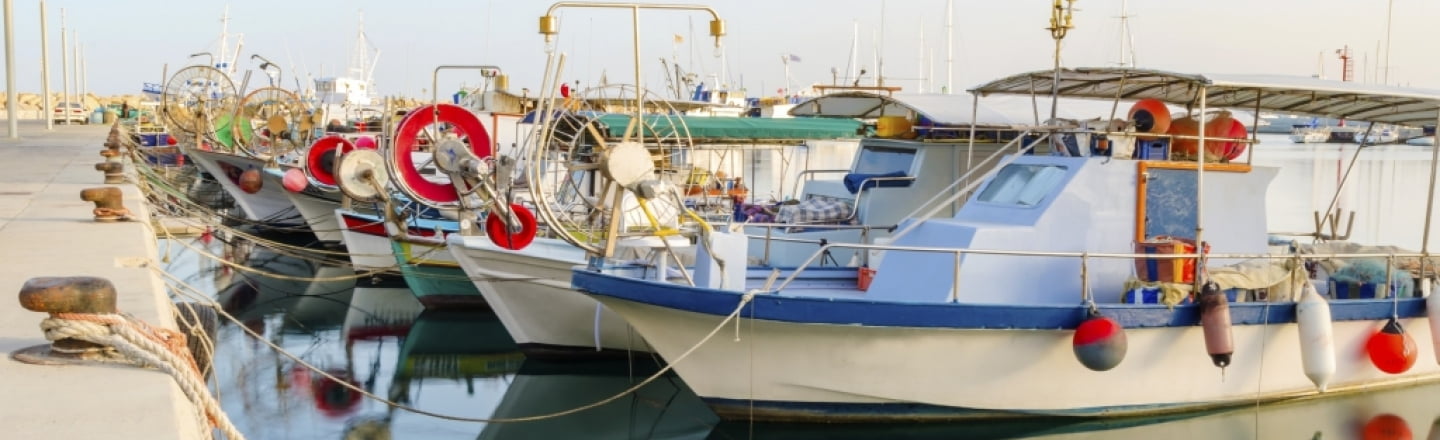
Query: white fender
{"x":1432,"y":310}
{"x":1317,"y":341}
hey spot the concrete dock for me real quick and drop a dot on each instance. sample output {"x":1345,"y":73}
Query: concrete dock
{"x":46,"y":230}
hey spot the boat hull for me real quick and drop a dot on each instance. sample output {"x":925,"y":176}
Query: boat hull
{"x":530,"y":291}
{"x":367,"y":242}
{"x":268,"y":205}
{"x":318,"y":211}
{"x":434,"y":276}
{"x":809,"y":359}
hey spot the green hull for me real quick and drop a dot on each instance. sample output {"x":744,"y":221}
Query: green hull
{"x":437,"y":285}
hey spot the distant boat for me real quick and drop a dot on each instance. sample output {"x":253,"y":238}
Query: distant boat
{"x":1308,"y":134}
{"x":1423,"y":141}
{"x":1379,"y":136}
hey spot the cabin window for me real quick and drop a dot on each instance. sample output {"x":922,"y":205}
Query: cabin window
{"x":884,"y":160}
{"x":1023,"y":185}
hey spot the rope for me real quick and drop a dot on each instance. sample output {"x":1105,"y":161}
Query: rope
{"x":163,"y":349}
{"x":184,"y":289}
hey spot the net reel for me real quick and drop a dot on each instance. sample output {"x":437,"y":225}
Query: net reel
{"x":362,"y":177}
{"x":452,"y":142}
{"x":198,"y":98}
{"x":269,"y":122}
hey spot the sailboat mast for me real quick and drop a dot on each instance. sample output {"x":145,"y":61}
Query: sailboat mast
{"x":949,"y":46}
{"x":224,"y":35}
{"x":920,"y":68}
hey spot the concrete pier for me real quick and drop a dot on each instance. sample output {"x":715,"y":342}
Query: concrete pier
{"x":46,"y":230}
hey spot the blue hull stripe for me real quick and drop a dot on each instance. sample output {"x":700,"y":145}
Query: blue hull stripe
{"x":813,"y":310}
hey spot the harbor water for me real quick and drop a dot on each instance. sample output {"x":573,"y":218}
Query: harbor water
{"x":462,"y":363}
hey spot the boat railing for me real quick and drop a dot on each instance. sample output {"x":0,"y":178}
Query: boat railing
{"x":770,"y":237}
{"x":1085,"y":257}
{"x":965,"y":179}
{"x":807,"y":175}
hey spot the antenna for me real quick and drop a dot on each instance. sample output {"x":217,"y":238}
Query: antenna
{"x":1127,"y":38}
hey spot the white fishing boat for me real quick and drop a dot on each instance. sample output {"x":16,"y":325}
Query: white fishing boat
{"x":1423,"y":141}
{"x":1044,"y":296}
{"x":267,"y":204}
{"x":1378,"y":135}
{"x":1307,"y":134}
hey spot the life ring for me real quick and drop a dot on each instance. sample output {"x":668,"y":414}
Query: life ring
{"x":320,"y":160}
{"x":1150,"y":116}
{"x":461,"y":122}
{"x":501,"y":236}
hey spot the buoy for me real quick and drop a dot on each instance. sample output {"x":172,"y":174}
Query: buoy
{"x":1224,"y":125}
{"x":1186,"y":126}
{"x":1099,"y":342}
{"x":295,"y":180}
{"x":1237,"y":131}
{"x":250,"y":181}
{"x":170,"y":140}
{"x":1215,"y":322}
{"x":500,"y":235}
{"x":564,"y":90}
{"x":1432,"y":309}
{"x":1386,"y":427}
{"x":1317,"y":340}
{"x":1150,"y":116}
{"x":365,"y":143}
{"x":1391,"y":349}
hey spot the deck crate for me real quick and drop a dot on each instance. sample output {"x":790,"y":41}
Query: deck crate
{"x":1166,"y":270}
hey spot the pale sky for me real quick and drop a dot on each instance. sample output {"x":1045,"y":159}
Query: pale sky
{"x":128,"y":42}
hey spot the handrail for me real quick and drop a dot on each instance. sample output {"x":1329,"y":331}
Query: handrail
{"x":1083,"y":255}
{"x":968,"y":188}
{"x":855,"y":204}
{"x":799,"y":177}
{"x":970,"y":171}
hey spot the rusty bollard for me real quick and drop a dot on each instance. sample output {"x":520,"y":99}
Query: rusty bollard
{"x":67,"y":295}
{"x":114,"y":171}
{"x":109,"y":203}
{"x":113,"y":166}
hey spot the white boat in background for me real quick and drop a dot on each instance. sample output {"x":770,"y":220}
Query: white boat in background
{"x":1378,"y":136}
{"x":1307,"y":134}
{"x":1004,"y":310}
{"x":1422,"y":141}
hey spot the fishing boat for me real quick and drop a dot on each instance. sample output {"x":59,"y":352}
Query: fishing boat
{"x":1065,"y":285}
{"x":1309,"y":134}
{"x":1379,"y":135}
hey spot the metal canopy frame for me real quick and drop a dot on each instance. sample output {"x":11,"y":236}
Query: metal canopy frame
{"x":1278,"y":93}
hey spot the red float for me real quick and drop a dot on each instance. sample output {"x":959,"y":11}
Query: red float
{"x":1099,"y":343}
{"x":407,"y":137}
{"x":500,"y":234}
{"x":1386,"y":427}
{"x":295,"y":180}
{"x":250,"y":181}
{"x":1391,"y":349}
{"x":1150,"y":116}
{"x":322,"y":157}
{"x":365,"y":143}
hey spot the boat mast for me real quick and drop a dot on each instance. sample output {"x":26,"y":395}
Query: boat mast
{"x":949,"y":46}
{"x":1389,"y":15}
{"x":1060,"y":23}
{"x":920,"y":68}
{"x":1127,"y":39}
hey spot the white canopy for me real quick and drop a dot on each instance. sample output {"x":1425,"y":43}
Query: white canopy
{"x":949,"y":109}
{"x":1278,"y":93}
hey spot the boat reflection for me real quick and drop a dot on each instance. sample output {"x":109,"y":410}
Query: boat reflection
{"x":1390,"y":414}
{"x":663,"y":409}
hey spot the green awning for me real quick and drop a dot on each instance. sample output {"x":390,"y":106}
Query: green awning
{"x":704,"y":129}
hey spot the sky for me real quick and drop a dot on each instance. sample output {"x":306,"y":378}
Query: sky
{"x":130,"y":42}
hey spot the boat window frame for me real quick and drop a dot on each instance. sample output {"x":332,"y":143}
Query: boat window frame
{"x":1142,"y":168}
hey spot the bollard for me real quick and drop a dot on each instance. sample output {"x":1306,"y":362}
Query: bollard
{"x":109,"y":205}
{"x":114,"y":171}
{"x":70,"y":295}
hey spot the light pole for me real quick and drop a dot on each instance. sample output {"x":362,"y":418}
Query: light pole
{"x":64,"y":71}
{"x":13,"y":119}
{"x":1060,"y":24}
{"x":48,"y":112}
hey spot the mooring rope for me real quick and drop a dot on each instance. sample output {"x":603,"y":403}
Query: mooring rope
{"x":163,"y":349}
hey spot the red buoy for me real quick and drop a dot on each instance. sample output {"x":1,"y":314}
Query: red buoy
{"x":295,"y":180}
{"x":1215,"y":322}
{"x":1150,"y":116}
{"x":1391,"y":349}
{"x":250,"y":181}
{"x":365,"y":143}
{"x":1388,"y":427}
{"x":500,"y":234}
{"x":1099,"y":342}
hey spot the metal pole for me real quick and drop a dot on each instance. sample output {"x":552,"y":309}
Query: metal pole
{"x":1200,"y":194}
{"x":84,"y":80}
{"x":11,"y":113}
{"x":48,"y":112}
{"x":1430,"y":198}
{"x":950,"y":47}
{"x":75,"y":71}
{"x":64,"y":70}
{"x":639,"y":97}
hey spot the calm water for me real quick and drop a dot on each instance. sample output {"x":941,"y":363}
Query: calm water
{"x":462,"y":363}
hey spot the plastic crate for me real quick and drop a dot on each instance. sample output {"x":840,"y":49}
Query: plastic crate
{"x":1166,"y":270}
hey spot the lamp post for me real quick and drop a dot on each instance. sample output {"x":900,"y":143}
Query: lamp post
{"x":1060,"y":24}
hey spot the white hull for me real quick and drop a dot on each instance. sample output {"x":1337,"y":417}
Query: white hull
{"x":319,"y":213}
{"x":978,"y":372}
{"x":269,"y":205}
{"x":530,"y":291}
{"x":1313,"y":137}
{"x":367,"y":252}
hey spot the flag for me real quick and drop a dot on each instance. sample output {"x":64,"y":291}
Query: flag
{"x":794,"y":57}
{"x":679,"y":39}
